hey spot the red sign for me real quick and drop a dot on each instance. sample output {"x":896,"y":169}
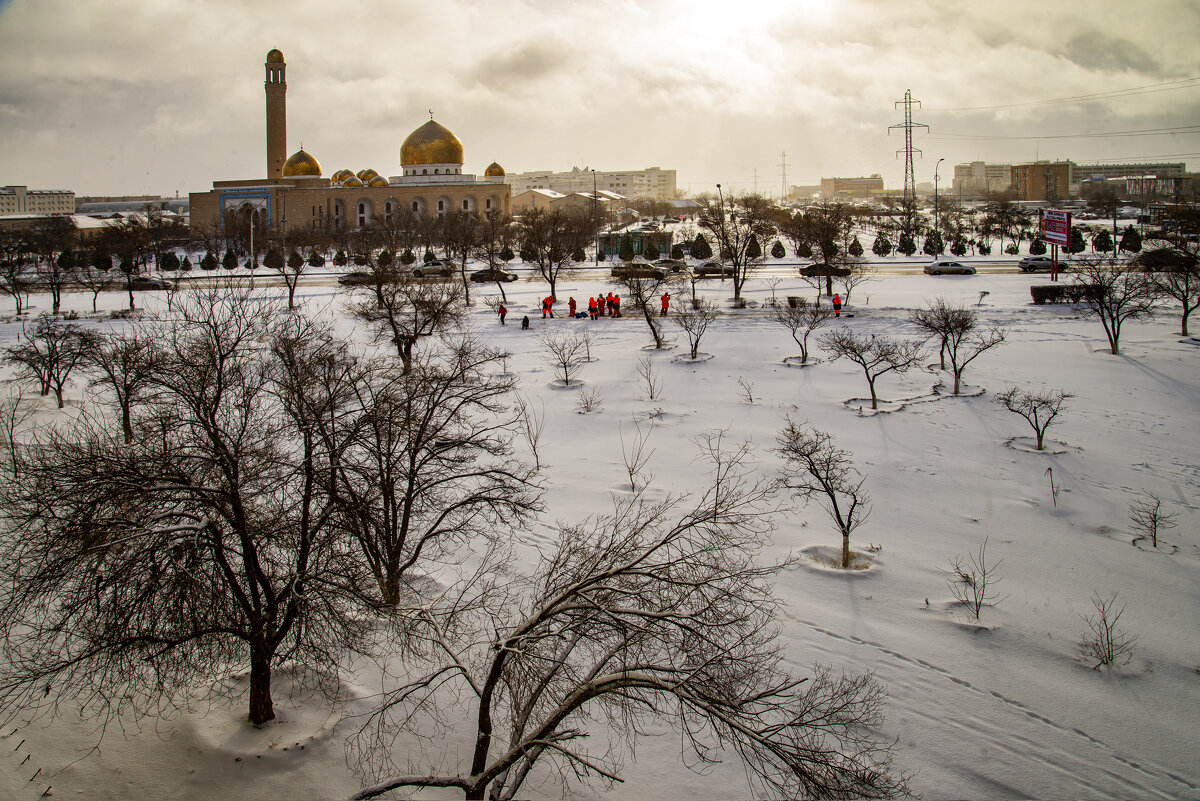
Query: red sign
{"x":1056,"y":227}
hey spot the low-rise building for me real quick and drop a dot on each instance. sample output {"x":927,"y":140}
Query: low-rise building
{"x":851,"y":187}
{"x":980,"y":179}
{"x":23,"y":200}
{"x":652,"y":182}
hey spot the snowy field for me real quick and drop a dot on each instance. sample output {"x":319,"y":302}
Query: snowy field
{"x":1000,"y":708}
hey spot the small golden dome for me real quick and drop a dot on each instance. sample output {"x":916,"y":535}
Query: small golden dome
{"x":352,"y":181}
{"x":493,"y":170}
{"x":431,"y":144}
{"x":340,"y":175}
{"x":377,"y":181}
{"x":301,"y":163}
{"x":366,"y":175}
{"x":275,"y":57}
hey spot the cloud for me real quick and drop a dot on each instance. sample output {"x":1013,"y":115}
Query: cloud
{"x":1097,"y":51}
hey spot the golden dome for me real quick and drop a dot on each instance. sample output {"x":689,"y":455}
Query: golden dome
{"x":378,"y":180}
{"x":493,"y":170}
{"x":431,"y":144}
{"x":340,"y":175}
{"x":275,"y":57}
{"x":352,"y":181}
{"x":366,"y":175}
{"x":301,"y":163}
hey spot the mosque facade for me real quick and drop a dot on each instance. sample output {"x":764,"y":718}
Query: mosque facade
{"x":295,"y":195}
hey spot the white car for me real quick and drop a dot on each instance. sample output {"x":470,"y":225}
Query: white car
{"x":949,"y":268}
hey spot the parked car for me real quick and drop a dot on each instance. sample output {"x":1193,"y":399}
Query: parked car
{"x":714,"y":268}
{"x":671,"y":265}
{"x":638,"y":270}
{"x":142,"y":282}
{"x":489,"y":275}
{"x":949,"y":268}
{"x":1031,"y":264}
{"x":820,"y":271}
{"x":356,"y":279}
{"x":438,"y":268}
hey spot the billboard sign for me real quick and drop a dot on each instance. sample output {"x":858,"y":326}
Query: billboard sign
{"x":1056,"y":227}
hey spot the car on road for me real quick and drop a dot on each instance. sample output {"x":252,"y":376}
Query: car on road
{"x":1031,"y":264}
{"x":438,"y":268}
{"x":143,"y":282}
{"x":821,"y":271}
{"x":489,"y":275}
{"x":638,"y":270}
{"x":949,"y":268}
{"x":714,"y":268}
{"x":671,"y":265}
{"x":356,"y":279}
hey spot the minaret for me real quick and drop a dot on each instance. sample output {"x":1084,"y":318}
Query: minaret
{"x":276,"y":88}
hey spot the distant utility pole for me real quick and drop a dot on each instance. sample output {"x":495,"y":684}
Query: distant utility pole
{"x":756,"y":180}
{"x":783,"y":181}
{"x":910,"y":181}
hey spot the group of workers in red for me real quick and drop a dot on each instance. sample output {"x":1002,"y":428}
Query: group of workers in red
{"x":596,"y":306}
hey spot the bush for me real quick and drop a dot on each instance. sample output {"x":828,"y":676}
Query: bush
{"x":1060,"y":293}
{"x":1012,"y":249}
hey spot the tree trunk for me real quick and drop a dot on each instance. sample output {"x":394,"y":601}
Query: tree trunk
{"x":957,"y":380}
{"x":127,"y":423}
{"x":845,"y":550}
{"x":261,"y":708}
{"x":874,"y":400}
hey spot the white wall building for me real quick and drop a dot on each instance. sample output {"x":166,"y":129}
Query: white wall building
{"x":652,"y":182}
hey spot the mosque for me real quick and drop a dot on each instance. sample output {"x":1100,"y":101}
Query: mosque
{"x":294,"y":195}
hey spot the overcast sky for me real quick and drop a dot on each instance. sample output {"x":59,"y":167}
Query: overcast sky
{"x":148,"y":96}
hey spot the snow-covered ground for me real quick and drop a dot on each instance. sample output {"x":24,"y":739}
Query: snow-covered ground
{"x":1002,"y":708}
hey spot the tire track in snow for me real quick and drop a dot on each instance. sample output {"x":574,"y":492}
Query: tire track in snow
{"x":1153,"y":772}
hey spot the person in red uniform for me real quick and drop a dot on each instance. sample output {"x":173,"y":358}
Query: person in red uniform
{"x":837,"y":305}
{"x":592,"y":307}
{"x":666,"y":301}
{"x":610,"y":304}
{"x":616,"y":305}
{"x":571,"y":306}
{"x":502,"y":310}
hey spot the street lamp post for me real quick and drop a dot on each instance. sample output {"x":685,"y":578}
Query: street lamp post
{"x":596,"y":215}
{"x":936,"y":233}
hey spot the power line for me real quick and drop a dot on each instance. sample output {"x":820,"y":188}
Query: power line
{"x":1166,"y":86}
{"x":1178,"y":130}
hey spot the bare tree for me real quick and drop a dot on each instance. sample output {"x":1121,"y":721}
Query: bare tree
{"x":589,"y":400}
{"x":95,"y":275}
{"x":876,"y":355}
{"x":13,"y":417}
{"x":1038,"y":408}
{"x":549,"y":238}
{"x":969,"y":581}
{"x":855,"y":272}
{"x":802,"y":320}
{"x":203,"y":545}
{"x":426,"y":463}
{"x":734,"y":223}
{"x":48,"y":352}
{"x":956,"y":329}
{"x":405,"y":309}
{"x":1148,"y":517}
{"x":1113,"y":294}
{"x":461,"y":232}
{"x":121,"y":363}
{"x":533,"y":423}
{"x":694,"y":321}
{"x":15,"y":266}
{"x":654,"y":614}
{"x":816,"y":468}
{"x":635,"y":456}
{"x":565,"y":349}
{"x":651,"y":378}
{"x":642,"y":292}
{"x":1103,"y":641}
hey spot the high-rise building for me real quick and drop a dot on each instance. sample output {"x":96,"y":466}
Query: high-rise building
{"x":1042,"y":180}
{"x":979,"y":179}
